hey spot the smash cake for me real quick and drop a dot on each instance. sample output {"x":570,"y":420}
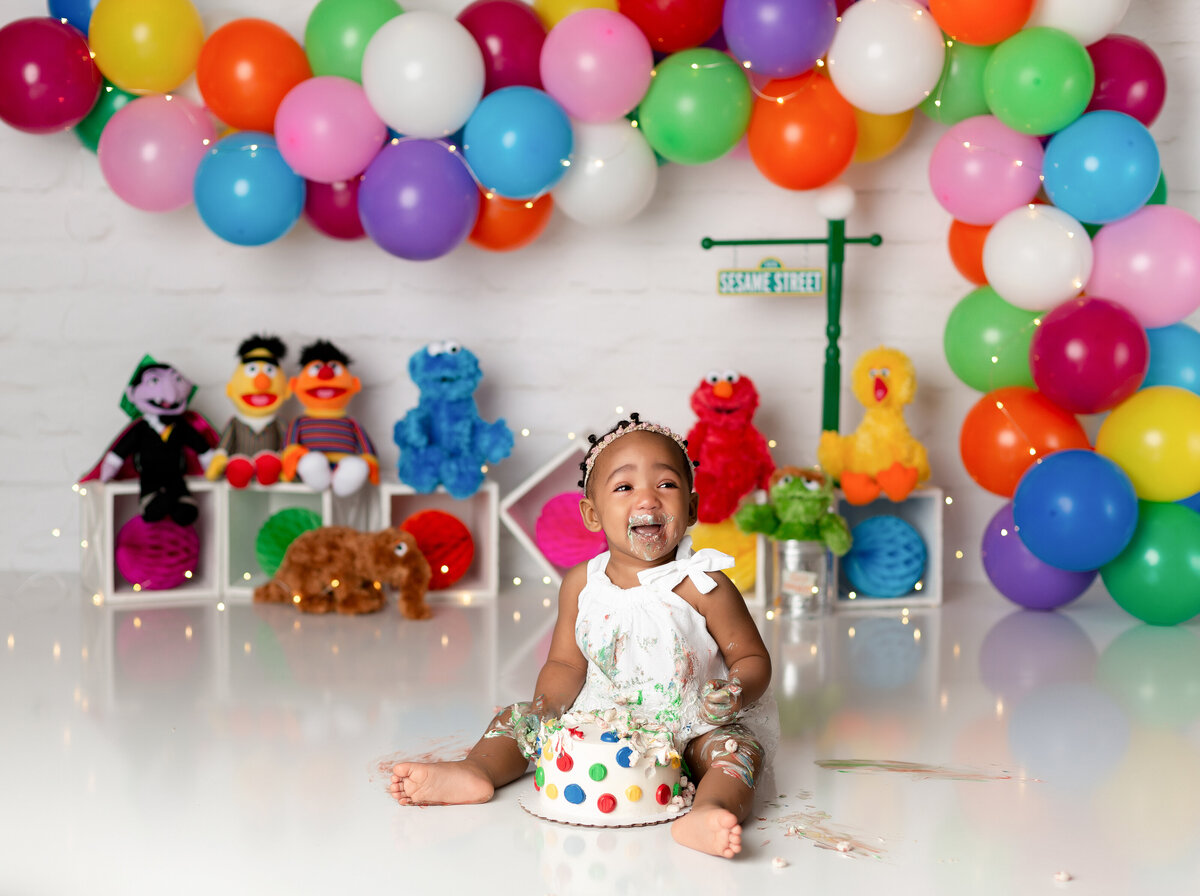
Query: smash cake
{"x":607,"y":769}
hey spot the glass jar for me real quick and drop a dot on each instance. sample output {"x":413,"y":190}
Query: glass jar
{"x":801,"y":578}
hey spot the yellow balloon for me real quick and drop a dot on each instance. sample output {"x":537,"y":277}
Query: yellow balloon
{"x":727,"y":538}
{"x":551,"y":12}
{"x":1154,"y":436}
{"x":146,"y":46}
{"x":878,"y":135}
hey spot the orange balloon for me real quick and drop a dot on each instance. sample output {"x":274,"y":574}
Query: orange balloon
{"x":966,"y":249}
{"x":1006,"y":432}
{"x":245,"y":70}
{"x":802,"y":132}
{"x":981,"y":22}
{"x":503,"y":224}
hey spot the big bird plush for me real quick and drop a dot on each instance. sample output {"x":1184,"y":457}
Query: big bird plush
{"x":881,"y":455}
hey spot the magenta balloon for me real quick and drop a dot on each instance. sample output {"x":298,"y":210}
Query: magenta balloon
{"x":980,"y":169}
{"x":333,"y":208}
{"x":48,"y":80}
{"x":150,"y":149}
{"x":510,"y":36}
{"x":1129,"y":78}
{"x":1150,"y":263}
{"x":1089,"y":355}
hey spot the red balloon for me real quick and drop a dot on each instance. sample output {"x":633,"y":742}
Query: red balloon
{"x":672,"y":25}
{"x":965,"y":242}
{"x":806,"y":140}
{"x":333,"y":208}
{"x":1008,"y":430}
{"x":503,"y":224}
{"x":510,"y":36}
{"x":245,"y":70}
{"x":1129,"y":78}
{"x":1089,"y":355}
{"x":48,"y":80}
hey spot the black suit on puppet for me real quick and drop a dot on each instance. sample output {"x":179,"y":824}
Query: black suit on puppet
{"x":159,"y":461}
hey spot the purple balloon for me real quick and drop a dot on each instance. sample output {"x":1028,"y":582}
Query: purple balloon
{"x":1019,"y":575}
{"x":1028,"y":650}
{"x":779,"y":38}
{"x":48,"y":81}
{"x":417,"y":199}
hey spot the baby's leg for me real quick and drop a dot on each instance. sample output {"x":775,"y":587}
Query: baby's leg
{"x":725,"y":762}
{"x":493,"y":762}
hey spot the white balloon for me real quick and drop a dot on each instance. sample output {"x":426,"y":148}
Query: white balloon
{"x":612,"y":176}
{"x":423,"y":74}
{"x":1037,"y":257}
{"x":835,"y":201}
{"x":886,"y":55}
{"x":1085,"y":20}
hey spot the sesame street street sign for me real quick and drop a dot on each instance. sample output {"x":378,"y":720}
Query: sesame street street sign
{"x":770,"y":278}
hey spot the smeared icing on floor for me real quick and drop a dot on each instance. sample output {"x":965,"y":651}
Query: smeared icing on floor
{"x":918,"y":770}
{"x":815,"y":825}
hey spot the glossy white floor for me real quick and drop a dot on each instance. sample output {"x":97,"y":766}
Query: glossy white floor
{"x":204,"y":749}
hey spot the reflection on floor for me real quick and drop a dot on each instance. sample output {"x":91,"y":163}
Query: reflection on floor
{"x":972,"y":748}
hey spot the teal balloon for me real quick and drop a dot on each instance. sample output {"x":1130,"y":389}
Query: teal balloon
{"x":1157,"y":577}
{"x":1039,"y":80}
{"x":987,"y":339}
{"x":1174,"y":357}
{"x":959,"y":93}
{"x":697,"y":108}
{"x":111,"y":100}
{"x":244,"y":190}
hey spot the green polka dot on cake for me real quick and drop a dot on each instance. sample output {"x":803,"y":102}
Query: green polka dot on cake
{"x":598,"y":772}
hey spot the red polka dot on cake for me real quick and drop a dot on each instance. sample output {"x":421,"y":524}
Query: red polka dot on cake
{"x":446,"y":543}
{"x":606,"y":803}
{"x":565,"y":763}
{"x":663,"y":794}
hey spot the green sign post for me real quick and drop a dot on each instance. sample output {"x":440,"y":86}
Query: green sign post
{"x":836,"y":241}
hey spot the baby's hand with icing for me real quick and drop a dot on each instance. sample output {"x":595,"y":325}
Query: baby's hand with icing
{"x":721,"y":700}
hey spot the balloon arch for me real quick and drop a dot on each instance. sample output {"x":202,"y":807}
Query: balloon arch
{"x":421,"y":131}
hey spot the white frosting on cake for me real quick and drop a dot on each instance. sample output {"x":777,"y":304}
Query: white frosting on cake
{"x":608,"y":768}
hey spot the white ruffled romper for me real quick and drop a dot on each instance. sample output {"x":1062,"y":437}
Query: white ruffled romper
{"x":647,"y":648}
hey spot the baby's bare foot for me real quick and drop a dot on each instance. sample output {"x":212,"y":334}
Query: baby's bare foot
{"x":439,"y":783}
{"x":709,"y":829}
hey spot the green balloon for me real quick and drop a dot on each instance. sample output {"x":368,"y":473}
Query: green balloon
{"x":111,"y":99}
{"x":986,"y":341}
{"x":697,"y":107}
{"x":1039,"y":80}
{"x":1157,"y":577}
{"x":338,"y":31}
{"x":1159,"y":196}
{"x":959,"y":93}
{"x":1154,"y":673}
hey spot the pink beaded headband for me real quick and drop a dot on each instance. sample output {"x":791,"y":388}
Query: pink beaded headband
{"x":633,"y":424}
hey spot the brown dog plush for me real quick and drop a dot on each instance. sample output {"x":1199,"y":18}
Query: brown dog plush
{"x":335,"y":568}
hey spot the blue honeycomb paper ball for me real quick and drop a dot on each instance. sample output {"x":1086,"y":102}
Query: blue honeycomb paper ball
{"x":887,"y":558}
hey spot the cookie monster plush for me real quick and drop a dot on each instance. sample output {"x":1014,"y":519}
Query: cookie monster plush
{"x":443,"y":440}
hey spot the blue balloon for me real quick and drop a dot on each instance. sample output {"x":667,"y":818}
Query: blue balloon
{"x":1192,"y":503}
{"x":76,"y":12}
{"x":1174,"y":357}
{"x":245,"y":191}
{"x":1075,"y":509}
{"x":1101,"y":167}
{"x":518,"y":142}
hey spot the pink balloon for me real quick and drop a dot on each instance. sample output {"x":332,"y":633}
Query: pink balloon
{"x":510,"y":36}
{"x":1150,"y":263}
{"x":326,"y":129}
{"x":48,"y":81}
{"x":981,"y":169}
{"x":1089,"y":355}
{"x":333,"y":208}
{"x":1129,"y":78}
{"x":150,"y":149}
{"x":597,"y":64}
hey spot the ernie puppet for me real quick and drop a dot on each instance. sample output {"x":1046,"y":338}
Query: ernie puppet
{"x":326,"y":448}
{"x":250,"y":445}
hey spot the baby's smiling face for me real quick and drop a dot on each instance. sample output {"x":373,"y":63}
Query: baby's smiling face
{"x":639,"y":495}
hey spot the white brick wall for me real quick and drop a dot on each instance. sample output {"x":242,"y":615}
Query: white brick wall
{"x":582,"y":321}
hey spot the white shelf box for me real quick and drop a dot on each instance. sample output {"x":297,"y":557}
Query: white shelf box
{"x":520,"y":509}
{"x":107,"y":506}
{"x":479,"y":513}
{"x":245,"y":512}
{"x":923,"y":510}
